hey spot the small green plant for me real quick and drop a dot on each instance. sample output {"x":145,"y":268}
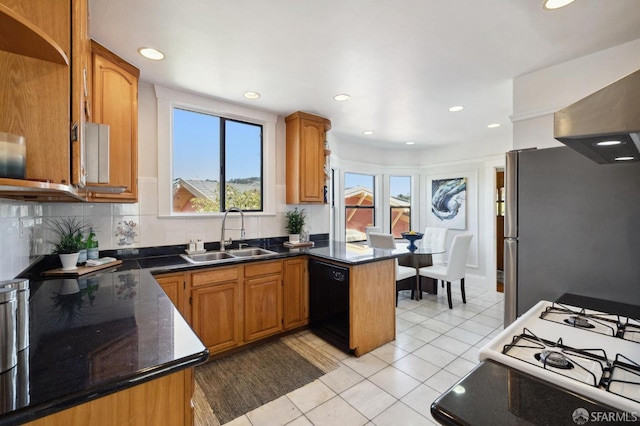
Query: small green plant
{"x":68,"y":232}
{"x":295,"y":220}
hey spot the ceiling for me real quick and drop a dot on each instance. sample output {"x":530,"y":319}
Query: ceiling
{"x":404,"y":63}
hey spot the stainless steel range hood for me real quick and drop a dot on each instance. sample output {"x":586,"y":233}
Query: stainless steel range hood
{"x":593,"y":124}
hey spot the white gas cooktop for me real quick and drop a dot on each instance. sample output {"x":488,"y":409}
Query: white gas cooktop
{"x":584,"y":351}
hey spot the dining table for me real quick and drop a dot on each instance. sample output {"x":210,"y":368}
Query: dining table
{"x":419,"y":258}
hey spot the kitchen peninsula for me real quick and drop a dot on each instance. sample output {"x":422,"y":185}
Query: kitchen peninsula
{"x":110,"y":347}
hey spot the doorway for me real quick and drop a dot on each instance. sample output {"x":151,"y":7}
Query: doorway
{"x":500,"y":230}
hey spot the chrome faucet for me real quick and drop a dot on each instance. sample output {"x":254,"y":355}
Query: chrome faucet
{"x":223,"y":242}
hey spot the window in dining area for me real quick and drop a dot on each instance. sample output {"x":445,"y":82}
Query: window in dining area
{"x":399,"y":205}
{"x":359,"y":205}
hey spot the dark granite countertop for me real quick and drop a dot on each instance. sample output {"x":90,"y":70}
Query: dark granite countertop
{"x":76,"y":322}
{"x":492,"y":394}
{"x":91,"y":336}
{"x":498,"y":395}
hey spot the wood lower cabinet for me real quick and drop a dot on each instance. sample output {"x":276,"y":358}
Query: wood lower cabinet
{"x":163,"y":401}
{"x":228,"y":306}
{"x":262,"y":300}
{"x":372,"y":312}
{"x":115,"y":102}
{"x":305,"y":177}
{"x":175,"y":286}
{"x":295,"y":292}
{"x":216,"y":307}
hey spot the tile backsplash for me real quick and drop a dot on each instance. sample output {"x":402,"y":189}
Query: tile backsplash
{"x":25,"y":234}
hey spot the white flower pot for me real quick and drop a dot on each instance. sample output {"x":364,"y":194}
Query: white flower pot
{"x":294,"y":238}
{"x":69,"y":261}
{"x":69,"y":286}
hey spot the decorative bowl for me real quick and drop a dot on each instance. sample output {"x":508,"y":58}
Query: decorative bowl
{"x":412,"y":238}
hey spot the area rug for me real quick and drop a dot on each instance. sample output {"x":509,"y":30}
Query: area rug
{"x":236,"y":384}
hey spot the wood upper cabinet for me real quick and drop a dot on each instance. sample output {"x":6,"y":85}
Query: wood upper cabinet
{"x":216,"y":307}
{"x":262,"y":300}
{"x":34,"y":100}
{"x":306,"y":158}
{"x":80,"y":90}
{"x":295,"y":293}
{"x":115,"y":102}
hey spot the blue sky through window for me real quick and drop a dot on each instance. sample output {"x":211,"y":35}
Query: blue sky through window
{"x":196,"y":147}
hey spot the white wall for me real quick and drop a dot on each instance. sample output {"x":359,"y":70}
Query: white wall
{"x":537,"y":95}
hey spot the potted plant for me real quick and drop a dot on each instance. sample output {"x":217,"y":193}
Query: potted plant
{"x":68,"y":242}
{"x":295,"y":220}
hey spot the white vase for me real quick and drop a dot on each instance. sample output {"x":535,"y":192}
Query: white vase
{"x":294,"y":238}
{"x":69,"y":261}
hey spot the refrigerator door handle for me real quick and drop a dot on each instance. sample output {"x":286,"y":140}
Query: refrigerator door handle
{"x":510,"y":280}
{"x":511,"y":195}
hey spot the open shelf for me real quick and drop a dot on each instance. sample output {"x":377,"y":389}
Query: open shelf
{"x":23,"y":189}
{"x":18,"y":35}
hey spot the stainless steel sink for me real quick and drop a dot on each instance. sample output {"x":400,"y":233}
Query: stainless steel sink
{"x":250,"y":252}
{"x":217,"y":256}
{"x":208,"y":257}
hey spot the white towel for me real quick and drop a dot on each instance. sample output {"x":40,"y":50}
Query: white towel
{"x":101,"y":261}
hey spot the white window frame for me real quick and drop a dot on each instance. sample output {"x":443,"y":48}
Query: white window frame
{"x":167,"y":100}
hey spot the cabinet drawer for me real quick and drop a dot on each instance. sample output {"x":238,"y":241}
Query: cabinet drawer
{"x":215,"y":275}
{"x":263,"y":268}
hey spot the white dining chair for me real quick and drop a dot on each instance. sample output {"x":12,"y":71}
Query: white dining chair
{"x":406,"y":276}
{"x":454,"y":268}
{"x":370,"y":229}
{"x":436,"y":238}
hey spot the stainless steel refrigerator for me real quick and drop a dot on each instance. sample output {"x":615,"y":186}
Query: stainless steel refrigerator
{"x":571,"y":226}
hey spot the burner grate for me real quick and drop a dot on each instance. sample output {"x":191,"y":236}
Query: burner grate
{"x":584,"y":365}
{"x":625,"y":378}
{"x":597,"y":322}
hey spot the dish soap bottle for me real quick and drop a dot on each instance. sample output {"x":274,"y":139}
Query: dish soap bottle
{"x":92,"y":245}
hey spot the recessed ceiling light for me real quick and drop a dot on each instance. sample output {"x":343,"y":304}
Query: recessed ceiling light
{"x":368,"y":132}
{"x":151,"y":53}
{"x":456,"y":108}
{"x":251,"y":95}
{"x":410,"y":143}
{"x":493,"y":125}
{"x":555,"y":4}
{"x":625,"y":158}
{"x":608,"y":143}
{"x":341,"y":98}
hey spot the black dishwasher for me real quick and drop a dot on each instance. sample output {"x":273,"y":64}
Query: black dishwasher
{"x":329,"y":302}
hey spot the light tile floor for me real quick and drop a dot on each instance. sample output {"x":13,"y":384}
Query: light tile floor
{"x":396,"y":383}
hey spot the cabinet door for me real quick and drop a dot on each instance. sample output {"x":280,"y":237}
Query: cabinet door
{"x":216,"y":315}
{"x":305,"y":177}
{"x":174,"y":285}
{"x":34,"y":94}
{"x":262,"y":306}
{"x":115,"y":102}
{"x":295,"y":293}
{"x":80,"y":97}
{"x":312,"y":162}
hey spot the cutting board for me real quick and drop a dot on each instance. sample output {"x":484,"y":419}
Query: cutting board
{"x":82,"y":270}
